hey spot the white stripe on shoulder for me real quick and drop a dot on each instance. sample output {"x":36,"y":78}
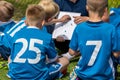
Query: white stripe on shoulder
{"x":111,"y":12}
{"x":15,"y":26}
{"x":17,"y":29}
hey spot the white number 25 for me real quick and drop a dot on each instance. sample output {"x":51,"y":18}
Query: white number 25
{"x":95,"y":52}
{"x":31,"y":47}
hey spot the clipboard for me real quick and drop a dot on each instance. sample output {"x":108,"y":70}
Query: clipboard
{"x":65,"y":29}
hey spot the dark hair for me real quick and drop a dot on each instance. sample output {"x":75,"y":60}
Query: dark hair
{"x":6,"y":10}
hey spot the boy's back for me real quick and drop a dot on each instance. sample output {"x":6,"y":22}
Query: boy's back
{"x":29,"y":54}
{"x":31,"y":46}
{"x":95,"y":44}
{"x":97,"y":41}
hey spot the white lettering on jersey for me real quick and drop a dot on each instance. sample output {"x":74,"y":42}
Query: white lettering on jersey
{"x":95,"y":52}
{"x":31,"y":47}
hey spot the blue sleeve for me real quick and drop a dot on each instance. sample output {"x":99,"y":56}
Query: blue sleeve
{"x":6,"y":38}
{"x":115,"y":17}
{"x":74,"y":41}
{"x":115,"y":42}
{"x":115,"y":20}
{"x":9,"y":26}
{"x":51,"y":51}
{"x":4,"y":49}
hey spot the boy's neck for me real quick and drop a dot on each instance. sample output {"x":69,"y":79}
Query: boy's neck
{"x":93,"y":17}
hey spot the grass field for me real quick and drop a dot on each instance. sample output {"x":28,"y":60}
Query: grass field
{"x":20,"y":7}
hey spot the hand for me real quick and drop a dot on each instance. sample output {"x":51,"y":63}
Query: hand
{"x":65,"y":18}
{"x":79,"y":19}
{"x":116,"y":54}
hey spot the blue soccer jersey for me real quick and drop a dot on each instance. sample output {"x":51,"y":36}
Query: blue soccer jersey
{"x":115,"y":16}
{"x":28,"y":54}
{"x":115,"y":20}
{"x":96,"y":41}
{"x":4,"y":27}
{"x":8,"y":35}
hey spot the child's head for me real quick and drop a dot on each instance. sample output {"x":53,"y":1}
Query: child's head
{"x":97,"y":6}
{"x":6,"y":11}
{"x":35,"y":15}
{"x":50,"y":7}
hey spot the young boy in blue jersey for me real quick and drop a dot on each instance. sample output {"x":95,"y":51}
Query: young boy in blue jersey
{"x":51,"y":9}
{"x":96,"y":41}
{"x":6,"y":13}
{"x":29,"y":48}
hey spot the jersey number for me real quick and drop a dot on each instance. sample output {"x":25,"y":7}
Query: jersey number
{"x":31,"y":47}
{"x":95,"y":52}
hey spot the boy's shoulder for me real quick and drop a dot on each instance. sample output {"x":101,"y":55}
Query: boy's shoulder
{"x":41,"y":33}
{"x":115,"y":11}
{"x":87,"y":24}
{"x":115,"y":16}
{"x":82,"y":23}
{"x":8,"y":23}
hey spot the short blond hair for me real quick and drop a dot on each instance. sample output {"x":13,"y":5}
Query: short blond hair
{"x":6,"y":10}
{"x":35,"y":14}
{"x":50,"y":7}
{"x":97,"y":6}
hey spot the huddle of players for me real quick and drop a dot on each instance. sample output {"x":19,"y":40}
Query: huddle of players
{"x":32,"y":50}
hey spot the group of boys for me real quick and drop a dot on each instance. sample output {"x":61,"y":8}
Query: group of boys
{"x":32,"y":51}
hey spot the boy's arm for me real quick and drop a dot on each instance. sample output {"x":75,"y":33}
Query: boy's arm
{"x":51,"y":53}
{"x":71,"y":54}
{"x":63,"y":19}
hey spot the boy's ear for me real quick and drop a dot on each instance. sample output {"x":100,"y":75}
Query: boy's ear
{"x":26,"y":22}
{"x":49,"y":19}
{"x":43,"y":22}
{"x":106,"y":9}
{"x":87,"y":8}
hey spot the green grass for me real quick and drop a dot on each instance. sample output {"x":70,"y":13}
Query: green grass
{"x":20,"y":7}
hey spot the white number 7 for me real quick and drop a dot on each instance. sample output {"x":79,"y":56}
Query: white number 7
{"x":95,"y":52}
